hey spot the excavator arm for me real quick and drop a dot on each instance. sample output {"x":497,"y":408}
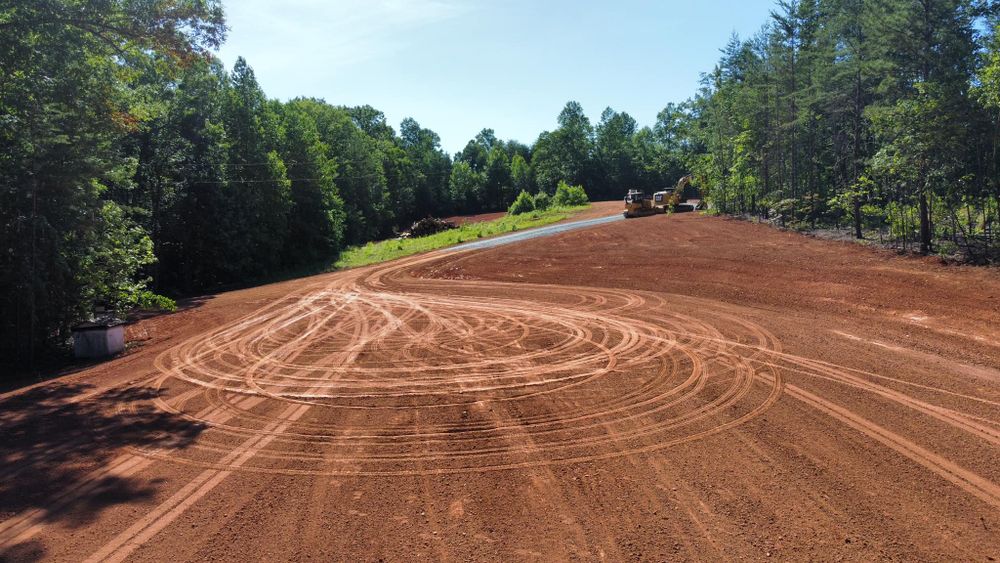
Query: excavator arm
{"x":681,"y":184}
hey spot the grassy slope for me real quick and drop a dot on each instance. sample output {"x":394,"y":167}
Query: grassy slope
{"x":375,"y":252}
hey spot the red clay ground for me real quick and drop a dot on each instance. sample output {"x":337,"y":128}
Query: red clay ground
{"x":481,"y":218}
{"x":668,"y":388}
{"x":597,"y":209}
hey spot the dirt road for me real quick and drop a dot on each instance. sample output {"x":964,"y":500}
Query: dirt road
{"x":668,"y":388}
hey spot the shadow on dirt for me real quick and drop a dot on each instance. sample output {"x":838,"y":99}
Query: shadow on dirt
{"x":59,"y":362}
{"x":26,"y":552}
{"x":183,"y":305}
{"x":51,"y":442}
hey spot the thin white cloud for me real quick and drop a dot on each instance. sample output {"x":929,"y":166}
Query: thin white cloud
{"x":335,"y":34}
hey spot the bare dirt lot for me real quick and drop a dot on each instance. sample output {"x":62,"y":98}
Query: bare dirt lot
{"x":481,"y":218}
{"x":597,"y":209}
{"x":667,"y":388}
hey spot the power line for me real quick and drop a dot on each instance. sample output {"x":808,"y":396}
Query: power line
{"x":364,"y":177}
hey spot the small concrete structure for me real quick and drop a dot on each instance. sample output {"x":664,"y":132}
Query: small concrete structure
{"x":99,"y":339}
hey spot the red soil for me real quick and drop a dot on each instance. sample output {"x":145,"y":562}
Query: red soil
{"x":481,"y":218}
{"x":597,"y":209}
{"x":668,"y":388}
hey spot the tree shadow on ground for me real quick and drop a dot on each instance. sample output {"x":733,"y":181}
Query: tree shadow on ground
{"x":185,"y":304}
{"x":28,"y":551}
{"x":58,"y":361}
{"x":52,"y":441}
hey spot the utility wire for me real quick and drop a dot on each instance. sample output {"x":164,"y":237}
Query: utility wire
{"x":362,"y":177}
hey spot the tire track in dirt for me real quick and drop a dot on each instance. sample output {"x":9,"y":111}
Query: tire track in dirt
{"x":406,"y":376}
{"x":131,"y":539}
{"x":968,"y":481}
{"x":408,"y":343}
{"x":424,"y":348}
{"x":573,"y":351}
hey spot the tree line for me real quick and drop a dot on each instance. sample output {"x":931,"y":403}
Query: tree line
{"x":135,"y":167}
{"x":879,"y":115}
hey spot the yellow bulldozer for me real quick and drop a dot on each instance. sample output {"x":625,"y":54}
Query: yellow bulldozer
{"x":638,"y":204}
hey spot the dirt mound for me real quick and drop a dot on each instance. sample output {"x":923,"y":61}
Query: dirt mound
{"x":429,"y":226}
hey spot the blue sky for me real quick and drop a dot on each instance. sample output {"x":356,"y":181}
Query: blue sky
{"x":457,"y":66}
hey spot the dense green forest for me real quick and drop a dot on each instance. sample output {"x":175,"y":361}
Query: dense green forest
{"x":880,"y":115}
{"x":135,"y":165}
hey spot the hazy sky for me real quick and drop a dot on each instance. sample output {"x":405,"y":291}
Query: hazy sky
{"x":457,"y":66}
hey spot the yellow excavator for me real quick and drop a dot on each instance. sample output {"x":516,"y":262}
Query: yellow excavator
{"x":638,"y":204}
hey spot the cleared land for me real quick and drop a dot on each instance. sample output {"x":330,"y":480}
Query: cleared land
{"x":668,"y":388}
{"x":481,"y":218}
{"x":476,"y":227}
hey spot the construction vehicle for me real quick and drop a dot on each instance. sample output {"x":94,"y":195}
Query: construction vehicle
{"x":683,"y":204}
{"x":638,"y":204}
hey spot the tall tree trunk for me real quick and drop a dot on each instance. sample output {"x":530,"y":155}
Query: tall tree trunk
{"x":858,"y":234}
{"x":925,"y":223}
{"x":33,"y":281}
{"x":858,"y":115}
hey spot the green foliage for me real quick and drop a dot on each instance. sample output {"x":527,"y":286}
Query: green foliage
{"x":109,"y":274}
{"x":316,"y":218}
{"x":869,"y":111}
{"x":133,"y":160}
{"x":523,"y":204}
{"x":566,"y":152}
{"x":149,"y":301}
{"x":498,"y":192}
{"x":376,"y":252}
{"x":989,"y":75}
{"x":466,"y":185}
{"x":798,"y":213}
{"x":542,"y":201}
{"x":258,"y":191}
{"x":569,"y":196}
{"x":431,"y":170}
{"x":613,"y":157}
{"x":132,"y":163}
{"x":521,"y":176}
{"x":488,"y":174}
{"x":615,"y":152}
{"x":68,"y":106}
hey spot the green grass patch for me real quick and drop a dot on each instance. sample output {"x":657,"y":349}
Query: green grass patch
{"x":383,"y":251}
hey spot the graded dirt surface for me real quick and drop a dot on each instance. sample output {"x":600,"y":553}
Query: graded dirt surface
{"x":481,"y":218}
{"x":596,"y":209}
{"x":667,"y":388}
